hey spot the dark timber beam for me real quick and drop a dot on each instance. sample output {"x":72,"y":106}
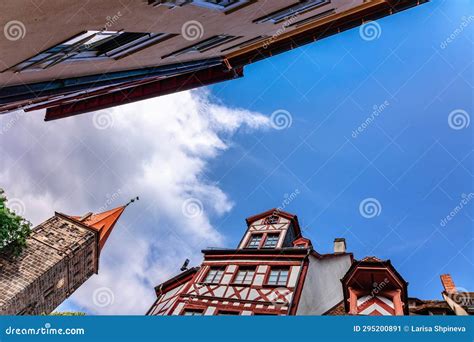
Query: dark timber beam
{"x":146,"y":91}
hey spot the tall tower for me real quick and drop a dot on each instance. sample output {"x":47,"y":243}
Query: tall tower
{"x":61,"y":254}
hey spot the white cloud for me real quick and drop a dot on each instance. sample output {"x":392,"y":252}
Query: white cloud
{"x":158,"y":149}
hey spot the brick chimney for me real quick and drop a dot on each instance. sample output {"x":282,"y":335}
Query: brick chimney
{"x":339,"y":245}
{"x":448,"y":283}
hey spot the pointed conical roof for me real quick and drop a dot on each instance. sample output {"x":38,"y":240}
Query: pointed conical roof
{"x":102,"y":222}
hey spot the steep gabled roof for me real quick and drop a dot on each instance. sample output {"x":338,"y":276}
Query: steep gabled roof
{"x":275,"y":211}
{"x":103,"y":222}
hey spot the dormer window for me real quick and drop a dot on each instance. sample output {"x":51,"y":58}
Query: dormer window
{"x":271,"y":241}
{"x":254,"y":241}
{"x":266,"y":240}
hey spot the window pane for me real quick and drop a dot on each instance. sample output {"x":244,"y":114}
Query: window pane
{"x":297,"y":9}
{"x":244,"y":276}
{"x":213,"y":276}
{"x":271,"y":241}
{"x":249,"y":277}
{"x":191,"y":312}
{"x":278,"y":276}
{"x":254,"y":241}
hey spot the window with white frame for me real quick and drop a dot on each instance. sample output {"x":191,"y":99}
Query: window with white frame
{"x":254,"y":241}
{"x":278,"y":276}
{"x":244,"y":275}
{"x":291,"y":11}
{"x":214,"y":275}
{"x":93,"y":45}
{"x":271,"y":240}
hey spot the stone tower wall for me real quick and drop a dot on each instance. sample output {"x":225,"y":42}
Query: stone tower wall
{"x":59,"y":257}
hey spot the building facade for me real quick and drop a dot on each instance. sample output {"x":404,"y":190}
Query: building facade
{"x":108,"y":53}
{"x":273,"y":271}
{"x":276,"y":271}
{"x":61,"y":254}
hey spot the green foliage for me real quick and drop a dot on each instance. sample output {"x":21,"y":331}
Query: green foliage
{"x":14,"y":229}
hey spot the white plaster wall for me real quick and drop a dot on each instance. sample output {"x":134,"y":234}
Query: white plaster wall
{"x":295,"y":272}
{"x":322,"y":288}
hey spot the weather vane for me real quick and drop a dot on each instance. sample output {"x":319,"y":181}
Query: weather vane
{"x":132,"y":200}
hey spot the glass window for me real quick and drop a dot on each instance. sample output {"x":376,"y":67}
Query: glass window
{"x":244,"y":276}
{"x":271,"y":241}
{"x":193,"y":312}
{"x":214,"y":275}
{"x":223,"y":5}
{"x":92,"y":45}
{"x":204,"y":45}
{"x":278,"y":276}
{"x":292,"y":11}
{"x":254,"y":241}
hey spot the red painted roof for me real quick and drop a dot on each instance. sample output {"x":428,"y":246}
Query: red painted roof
{"x":102,"y":222}
{"x":371,"y":259}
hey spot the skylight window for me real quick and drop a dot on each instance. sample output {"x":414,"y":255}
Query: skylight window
{"x":93,"y":45}
{"x":291,"y":11}
{"x":168,"y":3}
{"x":222,"y":5}
{"x":204,"y":45}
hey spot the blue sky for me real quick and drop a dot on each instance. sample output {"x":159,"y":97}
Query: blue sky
{"x":408,"y":158}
